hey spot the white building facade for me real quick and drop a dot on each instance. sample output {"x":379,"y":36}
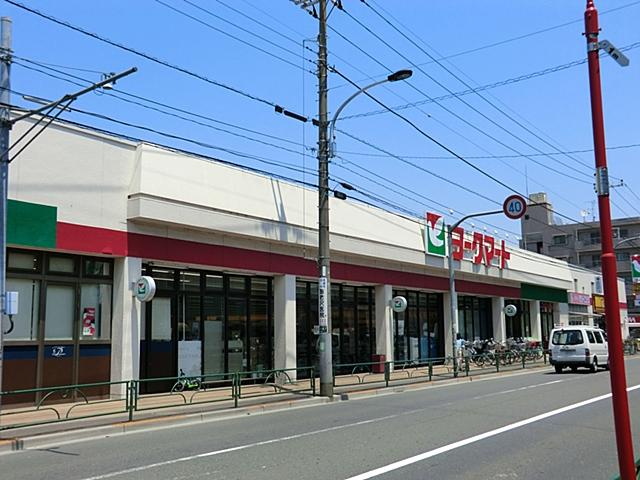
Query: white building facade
{"x":233,"y":254}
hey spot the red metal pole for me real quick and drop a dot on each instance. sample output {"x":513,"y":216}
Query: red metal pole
{"x":609,"y":269}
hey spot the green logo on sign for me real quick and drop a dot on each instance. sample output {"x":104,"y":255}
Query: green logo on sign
{"x":434,"y":233}
{"x":635,"y":268}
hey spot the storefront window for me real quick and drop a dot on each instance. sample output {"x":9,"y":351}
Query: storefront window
{"x":97,"y":268}
{"x":164,"y":278}
{"x":190,"y":281}
{"x":62,"y":265}
{"x":475,"y":318}
{"x":24,"y":261}
{"x":95,"y":311}
{"x":60,"y":311}
{"x":213,"y":334}
{"x":25,"y":323}
{"x":259,"y":351}
{"x":214,"y":282}
{"x":417,"y":329}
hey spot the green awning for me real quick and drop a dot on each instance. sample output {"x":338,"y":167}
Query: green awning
{"x":546,"y":294}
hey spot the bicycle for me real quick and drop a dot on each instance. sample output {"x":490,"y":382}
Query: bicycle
{"x":186,"y":383}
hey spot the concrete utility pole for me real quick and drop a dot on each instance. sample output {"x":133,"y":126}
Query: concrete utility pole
{"x":609,"y":269}
{"x":5,"y":126}
{"x":324,"y":280}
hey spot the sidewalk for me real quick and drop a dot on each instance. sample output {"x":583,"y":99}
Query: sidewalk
{"x":111,"y":416}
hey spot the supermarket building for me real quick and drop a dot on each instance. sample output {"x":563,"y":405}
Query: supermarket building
{"x":232,"y":252}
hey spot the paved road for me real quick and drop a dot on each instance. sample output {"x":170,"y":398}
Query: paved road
{"x":461,"y":431}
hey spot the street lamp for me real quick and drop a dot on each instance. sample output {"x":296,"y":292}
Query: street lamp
{"x":325,"y":152}
{"x":453,"y":297}
{"x":394,"y":77}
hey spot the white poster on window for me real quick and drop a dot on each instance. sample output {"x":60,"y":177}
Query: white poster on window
{"x":189,"y":357}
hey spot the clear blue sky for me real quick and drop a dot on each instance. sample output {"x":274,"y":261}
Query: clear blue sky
{"x":555,"y":106}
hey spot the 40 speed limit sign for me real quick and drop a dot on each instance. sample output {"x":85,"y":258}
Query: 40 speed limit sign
{"x":514,"y":207}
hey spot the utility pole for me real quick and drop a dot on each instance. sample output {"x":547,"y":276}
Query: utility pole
{"x":609,"y":270}
{"x":324,"y":280}
{"x":5,"y":126}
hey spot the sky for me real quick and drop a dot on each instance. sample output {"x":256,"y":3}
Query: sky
{"x":236,"y":59}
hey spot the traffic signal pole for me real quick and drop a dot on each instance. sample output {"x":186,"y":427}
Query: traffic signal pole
{"x":609,"y":269}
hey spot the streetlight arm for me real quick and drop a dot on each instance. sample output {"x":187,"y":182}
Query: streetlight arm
{"x":472,"y":215}
{"x":344,"y":104}
{"x":73,"y":96}
{"x":625,"y":240}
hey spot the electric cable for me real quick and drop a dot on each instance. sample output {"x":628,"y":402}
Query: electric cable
{"x":491,"y":177}
{"x":510,"y":39}
{"x":114,"y":94}
{"x":223,"y":32}
{"x":470,"y":106}
{"x":141,"y":54}
{"x":489,"y":86}
{"x":457,"y":77}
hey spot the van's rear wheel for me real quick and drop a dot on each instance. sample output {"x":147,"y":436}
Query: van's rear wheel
{"x":594,"y":366}
{"x":558,"y":368}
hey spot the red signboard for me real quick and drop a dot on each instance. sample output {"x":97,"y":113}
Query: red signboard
{"x":482,"y":248}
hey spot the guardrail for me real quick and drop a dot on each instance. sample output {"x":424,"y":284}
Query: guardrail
{"x":45,"y":405}
{"x":39,"y":406}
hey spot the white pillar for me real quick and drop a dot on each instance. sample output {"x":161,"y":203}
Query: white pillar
{"x":536,"y":320}
{"x":499,"y":324}
{"x":448,"y":341}
{"x":561,"y":314}
{"x":284,"y":309}
{"x":125,"y":326}
{"x":384,"y":321}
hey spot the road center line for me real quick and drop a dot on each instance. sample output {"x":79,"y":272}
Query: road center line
{"x":477,"y":438}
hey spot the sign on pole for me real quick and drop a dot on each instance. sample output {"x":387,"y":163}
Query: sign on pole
{"x":635,"y":268}
{"x":514,"y":207}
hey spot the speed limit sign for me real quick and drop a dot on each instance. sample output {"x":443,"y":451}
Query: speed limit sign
{"x":514,"y":207}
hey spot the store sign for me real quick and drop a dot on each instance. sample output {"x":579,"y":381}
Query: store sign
{"x":473,"y":246}
{"x":435,"y":235}
{"x":398,"y":304}
{"x":145,"y":289}
{"x":635,"y":268}
{"x":634,"y":319}
{"x":579,"y":298}
{"x":598,"y":304}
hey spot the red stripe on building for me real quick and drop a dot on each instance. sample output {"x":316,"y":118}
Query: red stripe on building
{"x":94,"y":240}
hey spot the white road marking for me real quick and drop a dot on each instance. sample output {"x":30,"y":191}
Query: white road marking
{"x":493,"y":394}
{"x":477,"y":438}
{"x":290,"y":437}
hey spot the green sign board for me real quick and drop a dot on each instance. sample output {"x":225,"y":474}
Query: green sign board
{"x":31,"y":224}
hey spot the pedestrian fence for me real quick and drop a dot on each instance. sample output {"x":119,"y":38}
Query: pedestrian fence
{"x":39,"y":406}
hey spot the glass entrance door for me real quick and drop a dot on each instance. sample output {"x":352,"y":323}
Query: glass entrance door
{"x":160,"y":345}
{"x":237,"y":339}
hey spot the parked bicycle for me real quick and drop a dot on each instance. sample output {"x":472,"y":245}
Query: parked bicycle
{"x":186,"y":383}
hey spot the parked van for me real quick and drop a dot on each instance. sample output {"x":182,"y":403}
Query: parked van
{"x":578,"y":346}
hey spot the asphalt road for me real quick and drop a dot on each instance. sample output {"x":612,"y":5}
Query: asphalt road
{"x":532,"y":426}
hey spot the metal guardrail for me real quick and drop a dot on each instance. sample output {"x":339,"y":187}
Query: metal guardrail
{"x":75,"y":402}
{"x":45,"y":405}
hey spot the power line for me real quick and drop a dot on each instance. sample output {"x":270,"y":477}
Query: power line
{"x":510,"y":39}
{"x":223,"y":32}
{"x":141,"y":54}
{"x":115,"y":94}
{"x":485,"y":157}
{"x":422,"y":132}
{"x":485,"y":99}
{"x":489,"y":86}
{"x":470,"y":106}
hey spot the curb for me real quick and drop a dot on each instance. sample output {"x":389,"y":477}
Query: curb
{"x":76,"y":433}
{"x":88,"y":429}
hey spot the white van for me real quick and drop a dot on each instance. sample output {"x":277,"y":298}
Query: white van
{"x":578,"y":346}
